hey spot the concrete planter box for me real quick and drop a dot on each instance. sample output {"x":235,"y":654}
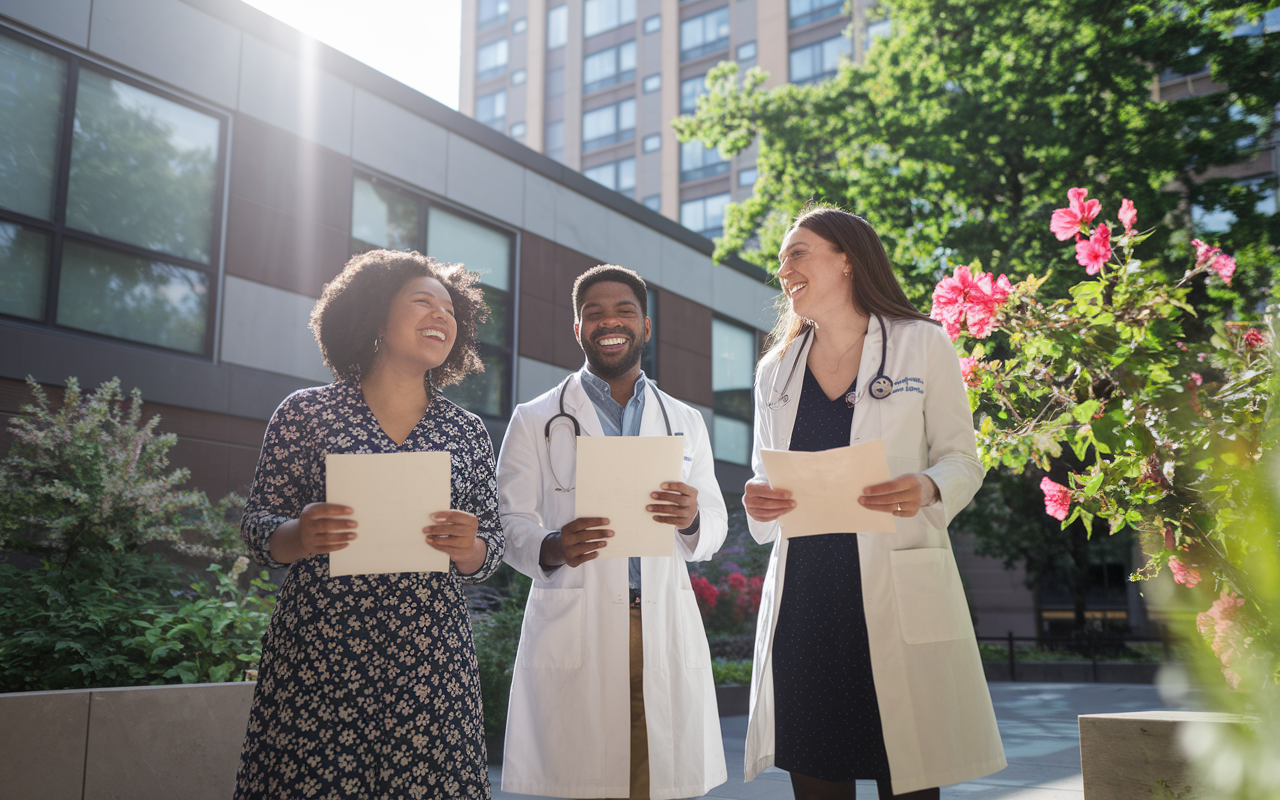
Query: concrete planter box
{"x":1136,"y":755}
{"x":1072,"y":671}
{"x":734,"y":700}
{"x":143,"y":743}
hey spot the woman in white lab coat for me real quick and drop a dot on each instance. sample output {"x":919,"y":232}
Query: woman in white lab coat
{"x":866,"y":666}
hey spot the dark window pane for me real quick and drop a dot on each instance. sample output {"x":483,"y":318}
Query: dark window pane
{"x":649,"y":355}
{"x":478,"y":247}
{"x":383,"y":216}
{"x":24,"y":259}
{"x":143,"y":168}
{"x":111,"y":293}
{"x":487,"y":392}
{"x":496,"y":331}
{"x":31,"y":93}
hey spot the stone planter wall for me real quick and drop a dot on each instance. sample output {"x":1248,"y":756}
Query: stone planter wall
{"x":143,"y":743}
{"x":1072,"y":671}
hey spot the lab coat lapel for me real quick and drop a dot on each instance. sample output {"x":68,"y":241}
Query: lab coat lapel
{"x":866,"y":414}
{"x":579,"y":405}
{"x":651,"y":422}
{"x":784,"y":417}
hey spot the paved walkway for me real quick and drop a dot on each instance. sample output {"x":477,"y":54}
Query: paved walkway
{"x":1037,"y":723}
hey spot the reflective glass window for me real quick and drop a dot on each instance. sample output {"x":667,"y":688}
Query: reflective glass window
{"x":557,"y":27}
{"x":491,"y":60}
{"x":30,"y":117}
{"x":705,"y":215}
{"x":690,"y":90}
{"x":819,"y":60}
{"x":482,"y":249}
{"x":492,"y":12}
{"x":733,"y":361}
{"x":804,"y":12}
{"x":704,"y":34}
{"x":491,"y":109}
{"x":24,"y":267}
{"x":599,"y":16}
{"x":384,"y":216}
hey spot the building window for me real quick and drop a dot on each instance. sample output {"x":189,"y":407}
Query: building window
{"x":649,"y":355}
{"x":599,"y":16}
{"x":517,"y":130}
{"x":705,"y":215}
{"x":653,"y":24}
{"x":557,"y":27}
{"x":878,"y":30}
{"x":553,"y":140}
{"x":651,"y":143}
{"x":520,"y":26}
{"x":803,"y":12}
{"x":819,"y":60}
{"x":653,"y":202}
{"x":491,"y":109}
{"x":555,"y":82}
{"x":619,"y":176}
{"x":690,"y":90}
{"x":1221,"y":220}
{"x":607,"y":67}
{"x":747,"y":51}
{"x":697,"y":162}
{"x":609,"y":125}
{"x":492,"y":12}
{"x":705,"y":34}
{"x":747,"y":177}
{"x":491,"y":60}
{"x":519,"y":77}
{"x":733,"y":362}
{"x":384,"y":215}
{"x":653,"y":83}
{"x":132,"y":252}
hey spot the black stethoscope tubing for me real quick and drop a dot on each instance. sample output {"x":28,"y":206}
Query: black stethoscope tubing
{"x":577,"y":429}
{"x":880,"y":388}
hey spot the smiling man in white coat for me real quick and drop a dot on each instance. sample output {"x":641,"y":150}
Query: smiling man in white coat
{"x":612,"y":694}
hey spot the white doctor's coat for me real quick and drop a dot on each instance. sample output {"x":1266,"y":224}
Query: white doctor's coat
{"x":935,"y":710}
{"x":569,"y":718}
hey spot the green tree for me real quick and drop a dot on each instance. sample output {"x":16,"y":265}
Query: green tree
{"x":961,"y":133}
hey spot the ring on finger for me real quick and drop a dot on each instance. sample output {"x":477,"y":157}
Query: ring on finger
{"x":899,"y":506}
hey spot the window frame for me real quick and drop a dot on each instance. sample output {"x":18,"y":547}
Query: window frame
{"x":616,"y":168}
{"x":493,"y":73}
{"x":755,"y":358}
{"x":830,"y":9}
{"x":502,"y":119}
{"x":619,"y":75}
{"x":427,"y":201}
{"x":820,"y":76}
{"x":706,"y":48}
{"x":57,"y":231}
{"x":619,"y":134}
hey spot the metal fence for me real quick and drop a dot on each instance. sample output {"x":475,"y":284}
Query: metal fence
{"x":1093,"y":647}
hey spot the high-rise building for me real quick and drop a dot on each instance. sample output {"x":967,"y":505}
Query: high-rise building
{"x":595,"y":83}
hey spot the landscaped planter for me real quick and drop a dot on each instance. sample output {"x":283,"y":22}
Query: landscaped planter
{"x":1073,"y":671}
{"x":143,"y":743}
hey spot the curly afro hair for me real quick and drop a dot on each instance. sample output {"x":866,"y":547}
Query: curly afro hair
{"x":352,"y":313}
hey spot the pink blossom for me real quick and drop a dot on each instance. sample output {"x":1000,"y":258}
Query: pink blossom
{"x":1093,"y":252}
{"x":1066,"y":222}
{"x":1057,"y":499}
{"x":1181,"y":346}
{"x":1128,"y":215}
{"x":949,"y":299}
{"x":1197,"y":378}
{"x":968,"y":371}
{"x":1204,"y":252}
{"x":1225,"y":266}
{"x":1254,"y":339}
{"x":1201,"y":357}
{"x":1187,"y":576}
{"x":1220,"y":620}
{"x":970,"y":299}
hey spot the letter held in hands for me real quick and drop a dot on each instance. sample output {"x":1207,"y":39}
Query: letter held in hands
{"x":826,"y":485}
{"x":394,"y":496}
{"x":616,"y":476}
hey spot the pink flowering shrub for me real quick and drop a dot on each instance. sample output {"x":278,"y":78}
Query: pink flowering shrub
{"x":1099,"y":386}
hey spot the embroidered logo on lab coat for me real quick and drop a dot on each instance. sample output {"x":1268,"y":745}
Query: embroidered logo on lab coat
{"x":908,"y":385}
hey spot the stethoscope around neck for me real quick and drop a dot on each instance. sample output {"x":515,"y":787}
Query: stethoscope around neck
{"x":881,"y":386}
{"x":577,"y":429}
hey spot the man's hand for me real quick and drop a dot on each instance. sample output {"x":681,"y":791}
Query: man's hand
{"x":576,"y":543}
{"x":765,"y":503}
{"x":678,"y":505}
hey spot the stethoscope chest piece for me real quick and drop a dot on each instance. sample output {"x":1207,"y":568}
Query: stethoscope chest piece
{"x":881,"y":387}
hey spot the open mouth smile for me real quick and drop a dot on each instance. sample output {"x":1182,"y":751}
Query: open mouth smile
{"x":612,"y":343}
{"x":433,"y":333}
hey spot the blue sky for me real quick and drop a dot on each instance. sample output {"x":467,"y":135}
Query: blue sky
{"x":414,"y":41}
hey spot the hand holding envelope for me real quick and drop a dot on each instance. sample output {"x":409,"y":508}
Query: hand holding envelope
{"x":825,"y":486}
{"x":616,"y":478}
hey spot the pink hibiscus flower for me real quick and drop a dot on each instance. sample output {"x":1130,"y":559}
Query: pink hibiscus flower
{"x":1128,"y":215}
{"x":1057,"y":499}
{"x":1067,"y":222}
{"x":1095,"y":251}
{"x":1187,"y":576}
{"x":968,"y":371}
{"x":1204,"y":251}
{"x":1225,"y":266}
{"x":970,"y":299}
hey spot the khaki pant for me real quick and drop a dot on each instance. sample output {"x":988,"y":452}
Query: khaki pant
{"x":639,"y":731}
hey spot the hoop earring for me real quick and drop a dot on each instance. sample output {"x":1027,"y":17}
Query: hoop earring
{"x":377,"y":344}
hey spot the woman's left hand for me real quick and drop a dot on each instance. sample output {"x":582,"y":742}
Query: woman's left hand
{"x":454,"y":534}
{"x":902,"y":496}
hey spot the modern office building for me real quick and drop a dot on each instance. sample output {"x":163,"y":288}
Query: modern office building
{"x":595,"y":84}
{"x":178,"y":180}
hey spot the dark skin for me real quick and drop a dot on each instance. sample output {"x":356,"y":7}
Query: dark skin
{"x":612,"y":330}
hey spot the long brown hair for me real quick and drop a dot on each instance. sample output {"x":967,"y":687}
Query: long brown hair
{"x":875,"y":287}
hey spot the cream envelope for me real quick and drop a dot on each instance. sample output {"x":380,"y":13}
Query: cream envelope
{"x":826,"y":486}
{"x":616,"y":475}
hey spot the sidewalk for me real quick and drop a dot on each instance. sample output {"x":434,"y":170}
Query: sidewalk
{"x":1037,"y":723}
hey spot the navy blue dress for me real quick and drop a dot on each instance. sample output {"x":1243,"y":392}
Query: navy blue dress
{"x":827,"y":719}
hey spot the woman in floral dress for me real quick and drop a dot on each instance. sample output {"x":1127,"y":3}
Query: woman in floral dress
{"x":369,"y":686}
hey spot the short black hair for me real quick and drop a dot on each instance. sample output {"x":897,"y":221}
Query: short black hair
{"x":352,"y":312}
{"x":609,"y":273}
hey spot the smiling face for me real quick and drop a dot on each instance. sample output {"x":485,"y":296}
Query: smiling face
{"x":812,"y":275}
{"x":421,"y":328}
{"x":611,"y":329}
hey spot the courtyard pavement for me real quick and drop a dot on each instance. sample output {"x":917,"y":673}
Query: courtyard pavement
{"x":1037,"y":723}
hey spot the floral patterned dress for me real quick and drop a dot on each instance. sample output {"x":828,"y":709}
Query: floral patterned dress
{"x":368,"y":687}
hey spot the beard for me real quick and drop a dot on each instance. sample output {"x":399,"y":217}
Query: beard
{"x":614,"y":366}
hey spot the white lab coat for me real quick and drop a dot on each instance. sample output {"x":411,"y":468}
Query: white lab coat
{"x":569,"y":718}
{"x":935,"y":710}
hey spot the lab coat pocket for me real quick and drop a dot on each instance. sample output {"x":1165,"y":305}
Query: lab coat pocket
{"x":697,"y":653}
{"x":551,"y":636}
{"x":930,"y":599}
